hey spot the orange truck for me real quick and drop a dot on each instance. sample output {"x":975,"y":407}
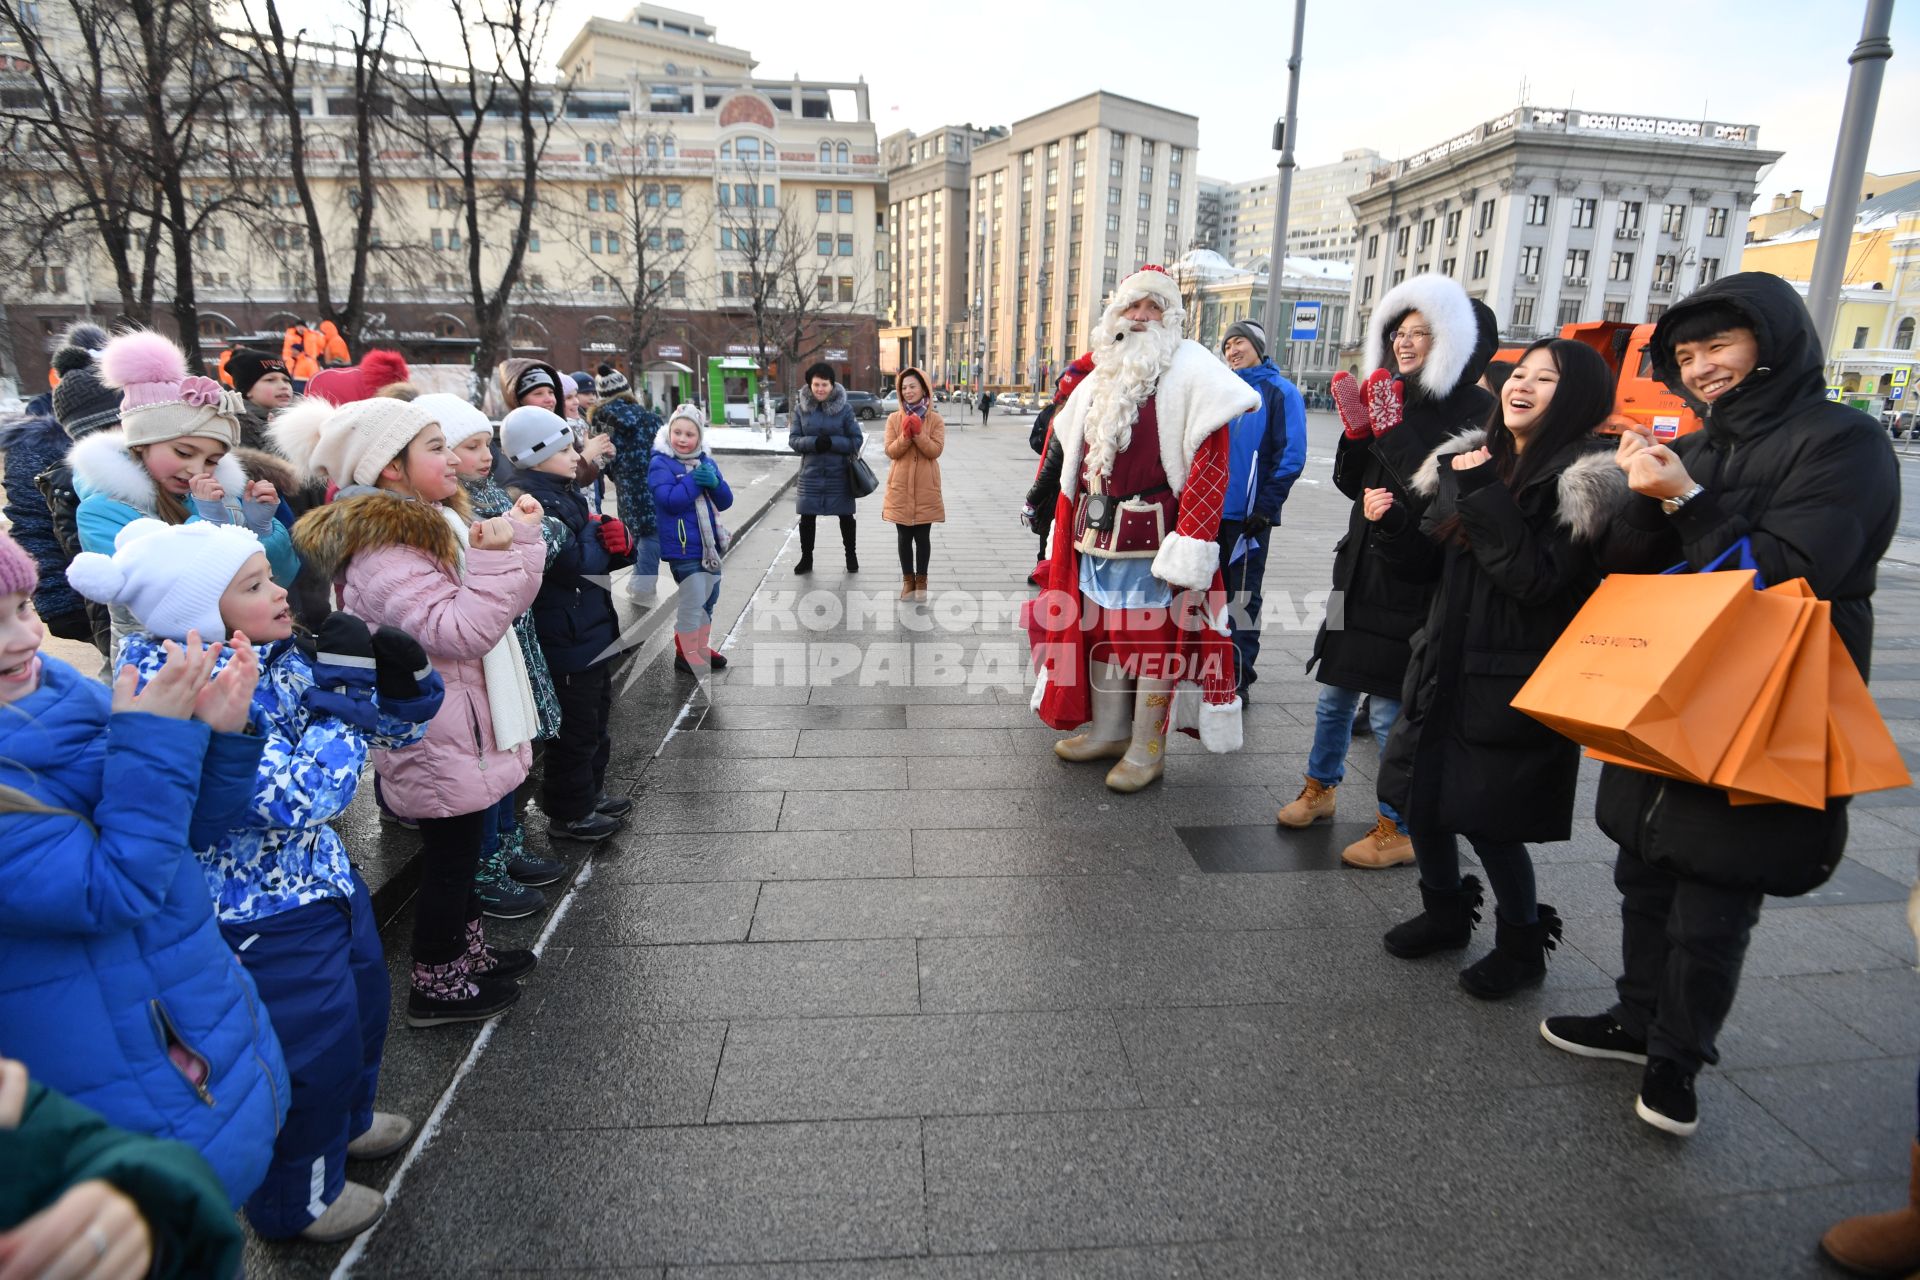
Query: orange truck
{"x":1639,"y":397}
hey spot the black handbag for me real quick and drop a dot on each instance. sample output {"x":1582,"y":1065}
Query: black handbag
{"x":860,"y":477}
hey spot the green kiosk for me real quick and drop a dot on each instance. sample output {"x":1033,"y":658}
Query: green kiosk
{"x":733,"y":390}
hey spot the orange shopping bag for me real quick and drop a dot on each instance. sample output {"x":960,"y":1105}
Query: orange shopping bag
{"x":1661,"y":671}
{"x":1861,"y":755}
{"x":1780,"y":753}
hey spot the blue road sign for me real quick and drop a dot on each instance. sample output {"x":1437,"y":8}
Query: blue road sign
{"x":1306,"y":321}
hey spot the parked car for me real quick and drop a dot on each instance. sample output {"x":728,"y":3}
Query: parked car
{"x":864,"y":404}
{"x":1011,"y":402}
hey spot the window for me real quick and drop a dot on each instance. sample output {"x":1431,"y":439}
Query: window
{"x":823,"y":288}
{"x":822,"y":200}
{"x":1709,"y":270}
{"x":599,"y":284}
{"x":1146,"y":200}
{"x":610,"y":200}
{"x":1583,"y":211}
{"x":1366,"y":290}
{"x":655,"y":282}
{"x":654,"y":240}
{"x":1113,"y":222}
{"x":590,"y":154}
{"x":593,"y":243}
{"x":1613,"y":312}
{"x":1902,"y":335}
{"x":1373,"y":246}
{"x":1480,"y":265}
{"x":533,"y":242}
{"x":438,"y":240}
{"x":1620,"y":267}
{"x":1453,"y":225}
{"x":745,"y":195}
{"x":673,"y":195}
{"x":726,"y":196}
{"x":1113,"y":248}
{"x":650,"y":195}
{"x":846,"y":246}
{"x":826,"y":153}
{"x":1655,"y":310}
{"x":1530,"y":260}
{"x":1523,"y":313}
{"x":1401,"y":239}
{"x":845,"y":199}
{"x":1486,"y":214}
{"x":1399,"y":275}
{"x":433,"y":197}
{"x":593,"y":200}
{"x":1537,"y":210}
{"x":453,"y":238}
{"x":513,"y":152}
{"x":1146,"y":175}
{"x":1447,"y":265}
{"x":613,"y":242}
{"x":1716,"y":222}
{"x":676,"y":240}
{"x":1426,"y":234}
{"x":1576,"y":266}
{"x":1665,"y":267}
{"x":1140,"y":228}
{"x":1113,"y":195}
{"x":1173,"y":181}
{"x":1570,"y":311}
{"x":824,"y":243}
{"x":1629,"y":219}
{"x":766,"y":195}
{"x":1116,"y":167}
{"x":840,"y":153}
{"x":1673,"y":217}
{"x":846,"y":289}
{"x":1860,"y":337}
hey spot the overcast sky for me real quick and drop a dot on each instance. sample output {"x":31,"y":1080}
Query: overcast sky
{"x":1394,"y":75}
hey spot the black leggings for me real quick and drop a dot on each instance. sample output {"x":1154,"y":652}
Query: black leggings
{"x":1508,"y":866}
{"x":916,"y":547}
{"x":449,"y":854}
{"x":806,"y":533}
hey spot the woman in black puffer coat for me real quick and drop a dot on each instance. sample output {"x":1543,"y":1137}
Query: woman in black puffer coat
{"x":825,"y":434}
{"x":1509,"y":539}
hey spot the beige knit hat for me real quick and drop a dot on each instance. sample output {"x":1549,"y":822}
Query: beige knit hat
{"x":160,"y":401}
{"x":348,"y":445}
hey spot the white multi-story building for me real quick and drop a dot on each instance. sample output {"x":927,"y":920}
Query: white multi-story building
{"x":928,"y":192}
{"x":1071,"y":200}
{"x":1319,"y":220}
{"x":1552,"y":216}
{"x":1208,"y":210}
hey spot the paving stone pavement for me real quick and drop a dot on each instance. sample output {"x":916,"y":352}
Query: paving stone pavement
{"x":874,"y":986}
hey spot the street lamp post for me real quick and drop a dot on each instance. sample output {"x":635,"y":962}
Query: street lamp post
{"x":1283,"y":143}
{"x":1869,"y":61}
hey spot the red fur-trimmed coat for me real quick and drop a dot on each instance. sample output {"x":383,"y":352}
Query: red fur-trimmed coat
{"x":1195,"y":400}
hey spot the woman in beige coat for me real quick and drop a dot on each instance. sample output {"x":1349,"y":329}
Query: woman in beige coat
{"x":916,"y":435}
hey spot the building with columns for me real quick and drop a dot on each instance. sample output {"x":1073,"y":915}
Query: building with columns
{"x":928,"y":193}
{"x":1063,"y":206}
{"x":1551,"y":216}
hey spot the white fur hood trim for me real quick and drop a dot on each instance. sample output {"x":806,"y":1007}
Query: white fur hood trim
{"x":1447,"y":310}
{"x":1197,"y":393}
{"x":1590,"y":490}
{"x":102,"y":467}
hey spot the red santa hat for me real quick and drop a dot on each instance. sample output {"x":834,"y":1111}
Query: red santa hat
{"x":1150,"y":281}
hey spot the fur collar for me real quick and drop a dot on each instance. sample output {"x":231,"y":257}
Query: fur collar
{"x":1448,"y":312}
{"x":328,"y":537}
{"x":1197,"y":393}
{"x":271,"y":467}
{"x":1590,"y":489}
{"x":102,"y":466}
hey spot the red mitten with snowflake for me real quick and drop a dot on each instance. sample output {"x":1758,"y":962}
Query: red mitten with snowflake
{"x":1386,"y":401}
{"x":1351,"y":405}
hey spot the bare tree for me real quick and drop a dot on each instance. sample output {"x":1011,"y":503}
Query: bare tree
{"x":286,"y":66}
{"x":459,"y":112}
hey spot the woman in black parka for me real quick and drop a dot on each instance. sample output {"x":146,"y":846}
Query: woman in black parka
{"x":1508,"y":539}
{"x":825,"y":434}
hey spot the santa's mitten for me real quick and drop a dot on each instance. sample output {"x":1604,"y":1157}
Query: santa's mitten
{"x":1386,"y":401}
{"x":1351,"y":405}
{"x":343,"y":672}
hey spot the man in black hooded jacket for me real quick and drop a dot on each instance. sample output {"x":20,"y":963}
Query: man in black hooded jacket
{"x":1813,"y":488}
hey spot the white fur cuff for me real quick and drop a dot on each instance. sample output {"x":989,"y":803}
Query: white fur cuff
{"x":1217,"y":724}
{"x":1186,"y":562}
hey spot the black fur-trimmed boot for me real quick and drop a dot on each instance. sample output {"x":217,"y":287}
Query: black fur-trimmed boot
{"x":1518,"y":959}
{"x":1445,"y":925}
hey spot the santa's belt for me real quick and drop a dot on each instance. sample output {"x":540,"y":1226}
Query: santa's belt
{"x":1134,"y":526}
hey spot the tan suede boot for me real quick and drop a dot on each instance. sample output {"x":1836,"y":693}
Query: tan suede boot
{"x":919,"y":586}
{"x":907,"y":584}
{"x":1146,"y":756}
{"x":1312,"y":804}
{"x":1384,"y":846}
{"x":1880,"y":1244}
{"x":1107,"y":738}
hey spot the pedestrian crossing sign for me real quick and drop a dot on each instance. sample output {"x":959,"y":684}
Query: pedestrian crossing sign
{"x":1900,"y":377}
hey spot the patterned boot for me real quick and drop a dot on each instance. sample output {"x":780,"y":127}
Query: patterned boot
{"x":484,"y":961}
{"x":444,"y":993}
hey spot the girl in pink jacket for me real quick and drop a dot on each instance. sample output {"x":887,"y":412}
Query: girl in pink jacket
{"x":401,"y":549}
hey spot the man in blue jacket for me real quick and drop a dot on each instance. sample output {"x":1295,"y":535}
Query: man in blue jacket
{"x":1269,"y":452}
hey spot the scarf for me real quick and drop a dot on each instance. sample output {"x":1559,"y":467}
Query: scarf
{"x":509,"y":690}
{"x":713,"y":537}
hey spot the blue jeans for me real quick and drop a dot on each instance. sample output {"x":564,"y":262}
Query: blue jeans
{"x":646,"y":562}
{"x":1333,"y":734}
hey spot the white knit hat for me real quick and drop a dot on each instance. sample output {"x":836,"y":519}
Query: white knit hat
{"x":348,"y":445}
{"x":530,"y":435}
{"x":171,"y":576}
{"x":459,"y":421}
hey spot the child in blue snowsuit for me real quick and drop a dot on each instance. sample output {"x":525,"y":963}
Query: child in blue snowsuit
{"x":288,"y":902}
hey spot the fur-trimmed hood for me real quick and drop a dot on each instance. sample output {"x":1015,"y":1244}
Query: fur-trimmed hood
{"x":1590,"y":488}
{"x":1466,"y":334}
{"x":508,"y":372}
{"x":103,"y":467}
{"x":328,"y":537}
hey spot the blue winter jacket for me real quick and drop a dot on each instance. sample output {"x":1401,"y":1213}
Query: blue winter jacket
{"x":674,"y":494}
{"x":573,"y":614}
{"x":32,"y":444}
{"x":115,"y":985}
{"x":632,"y":427}
{"x":1269,"y":446}
{"x":823,"y":488}
{"x":280,"y":852}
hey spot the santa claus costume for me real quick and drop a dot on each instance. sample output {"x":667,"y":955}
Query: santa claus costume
{"x":1130,"y":629}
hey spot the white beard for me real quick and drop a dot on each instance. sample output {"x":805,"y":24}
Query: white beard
{"x":1127,"y":368}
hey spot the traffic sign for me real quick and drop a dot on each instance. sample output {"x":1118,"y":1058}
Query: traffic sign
{"x":1306,"y":321}
{"x":1895,"y":394}
{"x":1833,"y":393}
{"x":1900,"y":377}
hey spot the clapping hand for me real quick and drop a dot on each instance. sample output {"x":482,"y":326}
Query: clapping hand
{"x":225,"y":702}
{"x":206,"y":487}
{"x":1375,"y":503}
{"x":1471,"y":459}
{"x":1656,"y":471}
{"x":495,"y":534}
{"x":263,"y":491}
{"x":175,"y":689}
{"x":597,"y":449}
